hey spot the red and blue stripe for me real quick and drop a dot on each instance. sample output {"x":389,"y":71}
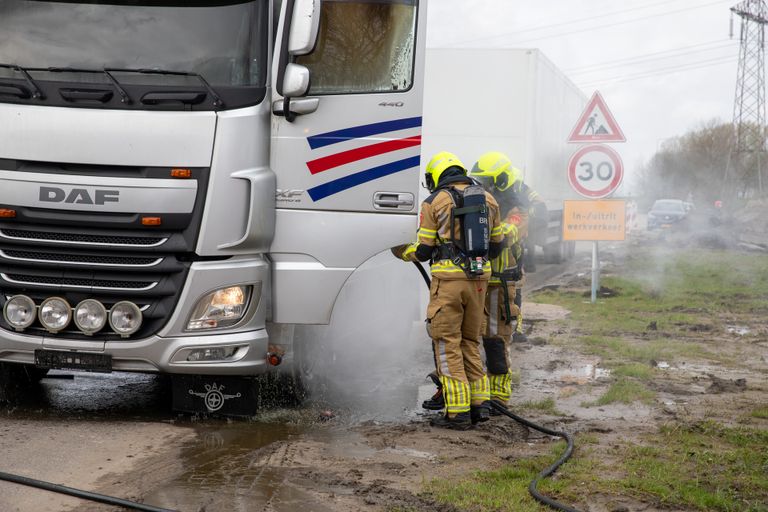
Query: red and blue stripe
{"x":359,"y":154}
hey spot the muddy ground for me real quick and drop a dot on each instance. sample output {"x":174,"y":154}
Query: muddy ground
{"x":348,"y":457}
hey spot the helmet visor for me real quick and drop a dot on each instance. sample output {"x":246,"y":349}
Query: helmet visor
{"x":487,"y":182}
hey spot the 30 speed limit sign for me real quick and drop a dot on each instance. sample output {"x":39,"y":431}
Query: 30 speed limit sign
{"x":595,"y":171}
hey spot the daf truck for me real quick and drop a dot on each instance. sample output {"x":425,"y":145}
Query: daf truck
{"x":182,"y":183}
{"x":513,"y":100}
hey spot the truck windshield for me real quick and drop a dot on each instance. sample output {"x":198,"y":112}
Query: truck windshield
{"x":223,"y":41}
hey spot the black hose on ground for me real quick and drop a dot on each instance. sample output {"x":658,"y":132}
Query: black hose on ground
{"x":551,"y":469}
{"x":85,"y":495}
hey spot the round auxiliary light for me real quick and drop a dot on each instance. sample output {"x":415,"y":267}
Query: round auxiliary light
{"x":55,"y":314}
{"x":20,"y":312}
{"x":90,"y":316}
{"x":125,"y":318}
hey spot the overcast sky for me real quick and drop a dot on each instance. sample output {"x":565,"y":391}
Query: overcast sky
{"x":663,"y":67}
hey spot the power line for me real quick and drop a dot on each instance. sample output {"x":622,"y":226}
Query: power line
{"x":570,"y":22}
{"x":577,"y":31}
{"x":659,"y":72}
{"x":661,"y":55}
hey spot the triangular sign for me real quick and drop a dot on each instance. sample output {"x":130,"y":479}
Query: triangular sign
{"x":596,"y":124}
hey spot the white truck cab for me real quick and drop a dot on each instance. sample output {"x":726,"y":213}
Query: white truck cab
{"x":175,"y":177}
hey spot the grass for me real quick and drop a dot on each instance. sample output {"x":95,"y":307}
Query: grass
{"x":705,"y":466}
{"x":679,"y":292}
{"x":625,"y":391}
{"x":546,"y":405}
{"x":701,"y":466}
{"x":638,"y":371}
{"x":506,"y":489}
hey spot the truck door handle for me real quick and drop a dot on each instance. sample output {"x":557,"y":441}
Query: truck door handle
{"x":393,"y":201}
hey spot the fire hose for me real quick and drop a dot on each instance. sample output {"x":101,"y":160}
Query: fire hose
{"x":532,"y":488}
{"x":77,"y":493}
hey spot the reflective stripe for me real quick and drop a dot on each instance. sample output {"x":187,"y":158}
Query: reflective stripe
{"x":496,"y":231}
{"x":456,"y":395}
{"x":493,"y":313}
{"x":443,"y":359}
{"x":480,"y":389}
{"x":428,"y":234}
{"x":450,"y":267}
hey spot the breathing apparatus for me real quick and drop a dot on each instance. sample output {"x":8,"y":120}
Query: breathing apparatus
{"x":470,"y":209}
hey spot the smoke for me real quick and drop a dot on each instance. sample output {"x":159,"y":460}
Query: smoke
{"x":375,"y":353}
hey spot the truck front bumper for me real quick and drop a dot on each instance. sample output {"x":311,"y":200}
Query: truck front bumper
{"x":163,"y":355}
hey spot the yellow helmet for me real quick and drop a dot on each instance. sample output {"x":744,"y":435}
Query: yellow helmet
{"x":437,"y":165}
{"x":495,"y":170}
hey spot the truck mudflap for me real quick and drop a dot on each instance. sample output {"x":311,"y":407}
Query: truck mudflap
{"x":223,"y":396}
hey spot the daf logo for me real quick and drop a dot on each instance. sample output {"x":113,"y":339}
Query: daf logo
{"x":78,"y":196}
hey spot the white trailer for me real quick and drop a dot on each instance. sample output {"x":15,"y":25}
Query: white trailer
{"x":511,"y":100}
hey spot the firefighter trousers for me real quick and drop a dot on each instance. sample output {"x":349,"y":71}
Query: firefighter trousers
{"x":454,"y":322}
{"x":500,"y":323}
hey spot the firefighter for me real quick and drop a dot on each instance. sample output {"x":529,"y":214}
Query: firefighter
{"x":500,"y":309}
{"x":459,"y":283}
{"x":516,"y":198}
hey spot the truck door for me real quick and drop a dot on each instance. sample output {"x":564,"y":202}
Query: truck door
{"x":346,"y":141}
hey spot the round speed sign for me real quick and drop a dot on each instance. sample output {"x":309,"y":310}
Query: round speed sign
{"x":595,"y":171}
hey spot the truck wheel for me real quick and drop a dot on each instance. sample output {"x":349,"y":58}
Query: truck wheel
{"x":313,"y":358}
{"x":554,"y":253}
{"x":16,"y":380}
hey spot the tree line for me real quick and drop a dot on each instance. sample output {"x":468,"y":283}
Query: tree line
{"x":700,"y":165}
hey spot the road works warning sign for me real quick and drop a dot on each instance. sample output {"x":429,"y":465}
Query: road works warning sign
{"x":597,"y":124}
{"x":594,"y":221}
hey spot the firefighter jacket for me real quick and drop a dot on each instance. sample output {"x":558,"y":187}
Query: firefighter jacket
{"x":506,"y":260}
{"x":434,"y":232}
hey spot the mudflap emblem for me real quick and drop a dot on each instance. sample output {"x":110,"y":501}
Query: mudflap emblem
{"x":213,"y":397}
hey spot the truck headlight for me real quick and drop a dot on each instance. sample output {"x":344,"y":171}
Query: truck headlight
{"x":20,"y":312}
{"x":125,"y":318}
{"x":90,"y":316}
{"x":221,"y":308}
{"x":55,"y":314}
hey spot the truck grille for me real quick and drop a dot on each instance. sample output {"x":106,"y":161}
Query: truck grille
{"x":146,"y":269}
{"x":78,"y":238}
{"x":79,"y":259}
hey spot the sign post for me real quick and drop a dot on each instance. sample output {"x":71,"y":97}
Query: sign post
{"x":595,"y":171}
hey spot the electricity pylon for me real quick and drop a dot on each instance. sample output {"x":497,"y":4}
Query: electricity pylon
{"x":749,"y":104}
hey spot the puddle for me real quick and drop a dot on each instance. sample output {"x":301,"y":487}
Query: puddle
{"x":410,"y":452}
{"x":565,"y":373}
{"x":738,"y":330}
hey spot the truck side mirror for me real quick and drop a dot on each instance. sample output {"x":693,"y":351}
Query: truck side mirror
{"x":295,"y":80}
{"x":304,"y":26}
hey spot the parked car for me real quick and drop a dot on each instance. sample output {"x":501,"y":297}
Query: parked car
{"x":666,"y":213}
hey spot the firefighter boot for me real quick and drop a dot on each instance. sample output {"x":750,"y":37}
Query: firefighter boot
{"x":480,"y":413}
{"x":460,"y":421}
{"x":437,"y":402}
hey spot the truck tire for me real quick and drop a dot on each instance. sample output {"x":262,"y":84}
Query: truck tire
{"x":554,"y":253}
{"x":17,"y":380}
{"x":304,"y":379}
